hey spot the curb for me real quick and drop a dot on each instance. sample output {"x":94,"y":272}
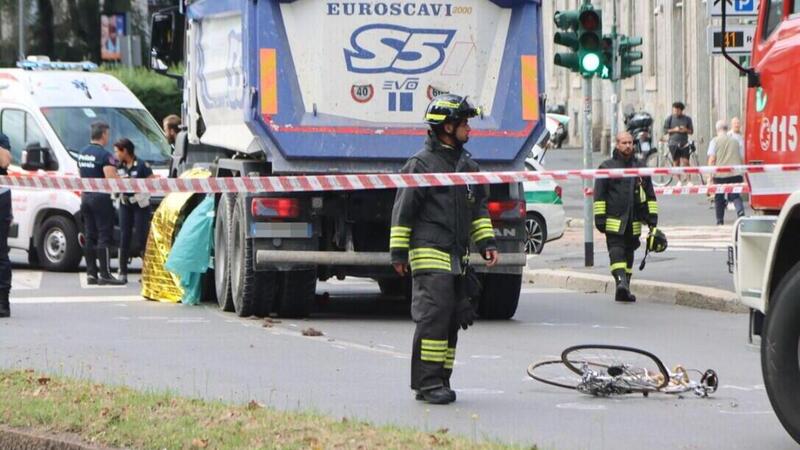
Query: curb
{"x":30,"y":440}
{"x":652,"y":291}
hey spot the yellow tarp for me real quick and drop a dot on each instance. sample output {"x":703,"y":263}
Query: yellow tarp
{"x":157,"y":283}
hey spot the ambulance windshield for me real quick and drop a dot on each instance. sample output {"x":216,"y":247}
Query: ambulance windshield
{"x":72,"y":126}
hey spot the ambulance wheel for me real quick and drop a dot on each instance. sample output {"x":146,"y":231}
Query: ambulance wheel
{"x":57,"y":245}
{"x":500,"y":296}
{"x":242,"y":263}
{"x":296,"y":290}
{"x":780,"y":343}
{"x":222,"y":272}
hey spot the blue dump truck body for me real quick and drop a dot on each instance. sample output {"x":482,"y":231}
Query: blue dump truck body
{"x":316,"y":86}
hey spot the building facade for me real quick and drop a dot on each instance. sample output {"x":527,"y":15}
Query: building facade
{"x":677,"y":67}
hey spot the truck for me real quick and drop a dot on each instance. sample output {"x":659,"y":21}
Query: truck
{"x":303,"y":87}
{"x":764,"y":257}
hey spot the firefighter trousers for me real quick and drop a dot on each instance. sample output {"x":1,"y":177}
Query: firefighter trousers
{"x":621,"y":249}
{"x":433,"y":308}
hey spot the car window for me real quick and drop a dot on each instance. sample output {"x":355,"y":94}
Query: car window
{"x":773,"y":17}
{"x":22,"y":130}
{"x":796,"y":7}
{"x":12,"y":124}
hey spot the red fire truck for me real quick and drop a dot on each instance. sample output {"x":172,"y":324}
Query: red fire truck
{"x":765,"y":257}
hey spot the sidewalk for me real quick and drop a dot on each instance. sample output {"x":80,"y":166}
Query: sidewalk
{"x":692,"y":272}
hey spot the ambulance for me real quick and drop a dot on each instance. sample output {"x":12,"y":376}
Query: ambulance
{"x":46,"y":109}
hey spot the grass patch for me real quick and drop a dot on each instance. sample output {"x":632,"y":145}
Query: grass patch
{"x":123,"y":417}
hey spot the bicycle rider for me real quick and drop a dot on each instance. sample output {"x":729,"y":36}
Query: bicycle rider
{"x":678,"y":127}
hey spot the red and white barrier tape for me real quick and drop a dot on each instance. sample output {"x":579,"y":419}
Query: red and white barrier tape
{"x":312,"y":183}
{"x":694,"y":190}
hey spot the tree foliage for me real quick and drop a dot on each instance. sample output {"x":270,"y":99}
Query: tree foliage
{"x":159,"y":94}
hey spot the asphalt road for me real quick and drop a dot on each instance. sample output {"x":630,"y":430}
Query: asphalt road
{"x":359,"y":368}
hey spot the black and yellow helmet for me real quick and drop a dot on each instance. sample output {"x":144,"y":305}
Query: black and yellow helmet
{"x":656,"y":241}
{"x":449,"y":108}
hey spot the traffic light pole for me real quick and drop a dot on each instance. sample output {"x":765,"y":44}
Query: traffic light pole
{"x":588,"y":212}
{"x":614,"y":83}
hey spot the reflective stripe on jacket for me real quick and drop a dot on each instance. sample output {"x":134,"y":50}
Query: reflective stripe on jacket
{"x":620,"y":201}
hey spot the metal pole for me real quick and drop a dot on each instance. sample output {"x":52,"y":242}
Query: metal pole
{"x":614,"y":86}
{"x":21,"y":15}
{"x":588,"y":213}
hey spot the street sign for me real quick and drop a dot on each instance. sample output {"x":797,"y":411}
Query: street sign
{"x":734,"y":8}
{"x":738,"y":39}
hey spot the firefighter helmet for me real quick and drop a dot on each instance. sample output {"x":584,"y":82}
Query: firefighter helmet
{"x":446,"y":108}
{"x":656,"y":241}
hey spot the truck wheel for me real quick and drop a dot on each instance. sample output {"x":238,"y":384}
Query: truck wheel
{"x":500,"y":296}
{"x":242,"y":265}
{"x":222,"y":268}
{"x":779,"y":352}
{"x":296,"y":289}
{"x":57,"y":244}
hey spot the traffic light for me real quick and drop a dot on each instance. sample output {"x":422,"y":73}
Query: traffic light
{"x":628,"y":56}
{"x":608,"y":69}
{"x":567,"y":21}
{"x":590,"y":29}
{"x":580,"y":32}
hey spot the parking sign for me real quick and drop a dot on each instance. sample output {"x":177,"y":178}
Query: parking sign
{"x":734,"y":7}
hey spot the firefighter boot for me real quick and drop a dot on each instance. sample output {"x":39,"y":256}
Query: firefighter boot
{"x":5,"y":307}
{"x":438,"y":396}
{"x":104,"y":276}
{"x":91,"y":265}
{"x":631,"y":297}
{"x":421,"y":397}
{"x":123,"y":265}
{"x":623,"y":290}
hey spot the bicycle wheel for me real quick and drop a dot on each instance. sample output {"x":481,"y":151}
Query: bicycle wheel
{"x":554,"y":373}
{"x":631,"y":369}
{"x":659,"y":159}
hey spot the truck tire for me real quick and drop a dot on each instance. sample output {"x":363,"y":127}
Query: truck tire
{"x":244,"y":282}
{"x":779,"y":352}
{"x":296,"y":290}
{"x":222,"y":267}
{"x":57,"y":244}
{"x":500,"y":296}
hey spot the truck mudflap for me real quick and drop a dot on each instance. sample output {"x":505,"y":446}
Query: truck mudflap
{"x":277,"y":257}
{"x":751,"y":243}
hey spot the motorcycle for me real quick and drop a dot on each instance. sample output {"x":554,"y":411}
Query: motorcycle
{"x":640,"y":126}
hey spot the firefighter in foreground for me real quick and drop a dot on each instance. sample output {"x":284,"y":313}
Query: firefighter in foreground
{"x":431,"y":232}
{"x":621,"y":207}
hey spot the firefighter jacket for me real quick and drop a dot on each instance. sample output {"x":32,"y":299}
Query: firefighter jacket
{"x":432,"y":226}
{"x":619,"y":202}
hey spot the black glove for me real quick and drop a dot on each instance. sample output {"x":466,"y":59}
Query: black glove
{"x":465,"y":313}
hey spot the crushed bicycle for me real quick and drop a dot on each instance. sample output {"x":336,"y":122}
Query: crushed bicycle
{"x":609,"y":370}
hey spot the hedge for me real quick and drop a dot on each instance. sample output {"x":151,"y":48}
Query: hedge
{"x":159,"y":94}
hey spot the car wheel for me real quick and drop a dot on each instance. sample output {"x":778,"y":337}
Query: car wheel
{"x":57,"y":245}
{"x":535,"y":234}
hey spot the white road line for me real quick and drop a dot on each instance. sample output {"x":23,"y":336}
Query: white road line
{"x":104,"y":299}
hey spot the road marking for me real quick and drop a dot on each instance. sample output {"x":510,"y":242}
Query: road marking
{"x":486,"y":357}
{"x":480,"y":391}
{"x":758,"y":387}
{"x":567,"y":324}
{"x":105,"y":299}
{"x":581,"y":406}
{"x":746,"y":413}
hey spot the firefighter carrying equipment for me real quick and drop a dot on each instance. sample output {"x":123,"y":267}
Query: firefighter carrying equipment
{"x":619,"y":202}
{"x":157,"y":283}
{"x":432,"y":226}
{"x":656,"y":241}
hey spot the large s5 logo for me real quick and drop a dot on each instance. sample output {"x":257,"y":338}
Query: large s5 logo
{"x":384,"y":48}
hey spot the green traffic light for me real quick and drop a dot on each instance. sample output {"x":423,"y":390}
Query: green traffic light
{"x":590,"y":62}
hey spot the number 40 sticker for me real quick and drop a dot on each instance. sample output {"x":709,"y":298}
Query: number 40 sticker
{"x":779,"y":133}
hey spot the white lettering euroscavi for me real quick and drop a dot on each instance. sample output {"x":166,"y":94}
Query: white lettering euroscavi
{"x":392,"y":9}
